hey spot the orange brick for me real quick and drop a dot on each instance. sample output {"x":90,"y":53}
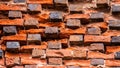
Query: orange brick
{"x":112,"y":49}
{"x":112,"y":63}
{"x":92,"y":54}
{"x":40,"y":1}
{"x":93,"y":38}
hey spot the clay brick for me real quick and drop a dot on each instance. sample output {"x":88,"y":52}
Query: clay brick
{"x":114,"y":24}
{"x":97,"y":39}
{"x":31,"y":23}
{"x":1,"y":54}
{"x":73,"y":23}
{"x":117,"y":55}
{"x":75,"y":8}
{"x":55,"y":61}
{"x":52,"y":66}
{"x":97,"y":47}
{"x":15,"y":14}
{"x":112,"y":49}
{"x":19,"y":1}
{"x":13,"y":46}
{"x":34,"y":38}
{"x":38,"y":53}
{"x":82,"y":63}
{"x":102,"y":3}
{"x":115,"y":39}
{"x":30,"y":66}
{"x":112,"y":63}
{"x":79,"y":54}
{"x":54,"y":45}
{"x":18,"y":67}
{"x":76,"y":39}
{"x":9,"y":30}
{"x":34,"y":7}
{"x":40,"y":1}
{"x":73,"y":67}
{"x":97,"y":17}
{"x":63,"y":2}
{"x":93,"y":31}
{"x":59,"y":53}
{"x":56,"y":16}
{"x":96,"y":62}
{"x":12,"y":61}
{"x":99,"y":55}
{"x":115,"y":9}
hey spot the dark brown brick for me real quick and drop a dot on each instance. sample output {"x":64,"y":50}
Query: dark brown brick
{"x":54,"y":45}
{"x":9,"y":30}
{"x":97,"y":17}
{"x":15,"y":14}
{"x":30,"y":66}
{"x":115,"y":40}
{"x":55,"y":61}
{"x":102,"y":3}
{"x":34,"y":7}
{"x":97,"y":47}
{"x":115,"y":9}
{"x":76,"y":39}
{"x":1,"y":54}
{"x":73,"y":23}
{"x":13,"y":46}
{"x":96,"y":62}
{"x":19,"y":1}
{"x":117,"y":55}
{"x":114,"y":24}
{"x":34,"y":38}
{"x":38,"y":53}
{"x":56,"y":16}
{"x":93,"y":31}
{"x":73,"y":8}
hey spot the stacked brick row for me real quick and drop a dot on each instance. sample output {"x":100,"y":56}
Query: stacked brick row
{"x":59,"y":34}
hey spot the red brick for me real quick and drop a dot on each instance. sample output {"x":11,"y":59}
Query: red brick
{"x":30,"y":66}
{"x":112,"y":49}
{"x":40,"y":1}
{"x":55,"y":61}
{"x":59,"y":53}
{"x":112,"y":63}
{"x":38,"y":53}
{"x":97,"y":39}
{"x":92,"y":54}
{"x":52,"y":66}
{"x":77,"y":62}
{"x":18,"y":67}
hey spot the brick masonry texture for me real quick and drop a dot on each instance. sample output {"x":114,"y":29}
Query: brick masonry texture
{"x":59,"y":33}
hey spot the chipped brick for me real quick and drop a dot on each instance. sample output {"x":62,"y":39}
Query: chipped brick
{"x":55,"y":61}
{"x":34,"y":38}
{"x":97,"y":62}
{"x":54,"y":45}
{"x":38,"y":53}
{"x":9,"y":30}
{"x":93,"y":31}
{"x":76,"y":39}
{"x":97,"y":47}
{"x":35,"y":7}
{"x":15,"y":14}
{"x":30,"y":66}
{"x":56,"y":16}
{"x":73,"y":23}
{"x":13,"y":46}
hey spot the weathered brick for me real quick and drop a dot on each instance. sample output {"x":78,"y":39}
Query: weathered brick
{"x":97,"y":39}
{"x":76,"y":39}
{"x":73,"y":23}
{"x":79,"y":54}
{"x":93,"y":31}
{"x":1,"y":54}
{"x":34,"y":38}
{"x":55,"y":61}
{"x":34,"y":7}
{"x":97,"y":47}
{"x":75,"y":8}
{"x":30,"y":66}
{"x":10,"y":61}
{"x":38,"y":53}
{"x":102,"y":3}
{"x":9,"y":30}
{"x":114,"y":24}
{"x":97,"y":17}
{"x":115,"y":40}
{"x":19,"y":1}
{"x":15,"y":14}
{"x":63,"y":53}
{"x":31,"y":23}
{"x":52,"y":66}
{"x":54,"y":45}
{"x":96,"y":62}
{"x":112,"y":63}
{"x":56,"y":16}
{"x":12,"y":46}
{"x":73,"y":66}
{"x":117,"y":55}
{"x":115,"y":9}
{"x":18,"y":67}
{"x":112,"y":49}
